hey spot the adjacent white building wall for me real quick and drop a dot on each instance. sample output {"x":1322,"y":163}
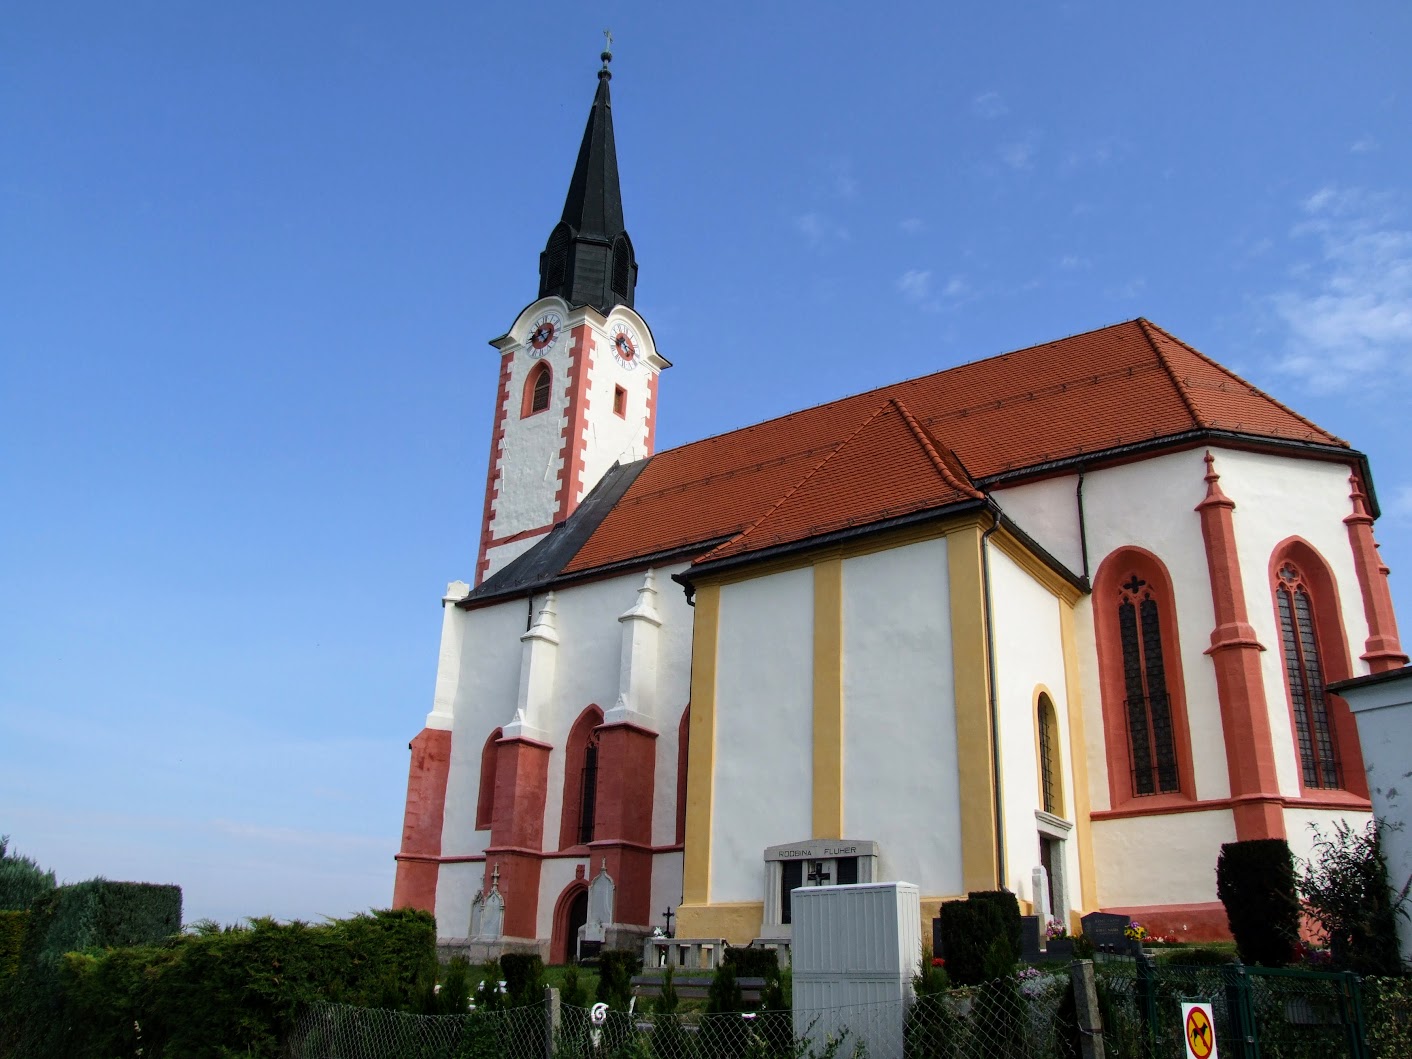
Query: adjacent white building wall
{"x":1048,"y":510}
{"x":764,"y":727}
{"x":900,"y":784}
{"x":1383,"y":711}
{"x":1029,"y":656}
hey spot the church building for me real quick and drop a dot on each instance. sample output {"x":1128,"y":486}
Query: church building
{"x":1058,"y":621}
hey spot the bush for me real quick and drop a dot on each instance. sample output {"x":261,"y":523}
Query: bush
{"x":976,"y":938}
{"x":724,"y":994}
{"x":615,"y":970}
{"x":1198,"y":956}
{"x":1346,"y":892}
{"x":21,"y":879}
{"x":239,"y":990}
{"x":748,"y":962}
{"x":12,"y":935}
{"x":1008,"y":905}
{"x":524,"y":978}
{"x":1255,"y":881}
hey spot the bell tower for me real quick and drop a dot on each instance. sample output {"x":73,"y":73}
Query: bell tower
{"x":578,"y":368}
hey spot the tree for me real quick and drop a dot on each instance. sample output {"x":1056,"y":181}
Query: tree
{"x":21,"y":879}
{"x":1346,"y":892}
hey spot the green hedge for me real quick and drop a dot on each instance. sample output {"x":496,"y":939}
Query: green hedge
{"x":1255,"y":881}
{"x":102,"y":914}
{"x":12,"y":933}
{"x":241,"y":989}
{"x":748,"y":962}
{"x":21,"y":879}
{"x":1008,"y":905}
{"x":232,"y":991}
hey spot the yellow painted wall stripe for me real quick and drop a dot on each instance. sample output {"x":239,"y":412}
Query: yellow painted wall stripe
{"x":1078,"y":756}
{"x":971,"y":682}
{"x":828,"y":699}
{"x":701,"y":754}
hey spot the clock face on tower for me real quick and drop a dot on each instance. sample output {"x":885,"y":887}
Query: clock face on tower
{"x":544,"y":333}
{"x":627,"y":350}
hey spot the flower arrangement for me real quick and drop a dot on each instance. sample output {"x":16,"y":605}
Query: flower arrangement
{"x":938,"y":961}
{"x":1135,"y":931}
{"x":1055,"y":930}
{"x":1027,"y":974}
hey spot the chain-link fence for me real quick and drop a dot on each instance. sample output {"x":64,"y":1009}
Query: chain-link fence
{"x":340,"y":1031}
{"x":1017,"y":1018}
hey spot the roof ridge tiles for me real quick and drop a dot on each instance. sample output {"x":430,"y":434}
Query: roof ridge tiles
{"x":796,"y":486}
{"x":1149,"y":326}
{"x":1143,"y":326}
{"x":931,"y":446}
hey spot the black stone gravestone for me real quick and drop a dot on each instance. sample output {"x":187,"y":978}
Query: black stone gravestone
{"x":1105,"y":930}
{"x":1029,"y":938}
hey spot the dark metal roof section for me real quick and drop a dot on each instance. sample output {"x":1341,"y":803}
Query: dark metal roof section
{"x":540,"y":566}
{"x":589,"y":258}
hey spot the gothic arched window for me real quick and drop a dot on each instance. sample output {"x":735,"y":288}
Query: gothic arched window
{"x":1304,"y":679}
{"x":580,"y":780}
{"x":1139,"y":660}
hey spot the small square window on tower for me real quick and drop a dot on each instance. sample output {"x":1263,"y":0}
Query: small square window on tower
{"x":620,"y":401}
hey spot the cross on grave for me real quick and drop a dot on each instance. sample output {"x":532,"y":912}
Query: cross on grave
{"x":667,"y":915}
{"x":817,"y":876}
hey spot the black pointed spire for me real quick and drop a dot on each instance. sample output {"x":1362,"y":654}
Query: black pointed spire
{"x":589,"y":259}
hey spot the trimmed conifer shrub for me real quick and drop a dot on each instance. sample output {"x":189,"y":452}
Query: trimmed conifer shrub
{"x":12,"y":936}
{"x":970,"y":930}
{"x":1255,"y":880}
{"x":524,"y":978}
{"x":615,"y":970}
{"x":1008,"y":905}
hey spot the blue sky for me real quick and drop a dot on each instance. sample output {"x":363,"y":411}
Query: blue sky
{"x":253,"y":253}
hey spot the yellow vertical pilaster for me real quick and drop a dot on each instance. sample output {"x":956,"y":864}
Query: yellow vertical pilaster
{"x":1077,"y":755}
{"x":971,"y":683}
{"x":828,"y":699}
{"x":701,"y":753}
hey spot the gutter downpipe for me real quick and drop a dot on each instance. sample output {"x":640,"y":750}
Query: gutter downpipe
{"x":1083,"y":525}
{"x":1000,"y":869}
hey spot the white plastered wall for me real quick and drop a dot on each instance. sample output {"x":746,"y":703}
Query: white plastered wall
{"x":478,"y":677}
{"x":481,"y":683}
{"x":1029,"y":655}
{"x":764,"y":727}
{"x":900,"y":784}
{"x":1048,"y":511}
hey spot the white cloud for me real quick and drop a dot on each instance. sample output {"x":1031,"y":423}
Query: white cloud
{"x":845,"y":184}
{"x":1019,"y":154}
{"x":912,"y":225}
{"x":915,"y":285}
{"x":1363,"y":145}
{"x":819,"y":230}
{"x":1072,"y":262}
{"x":989,"y":105}
{"x":918,"y":289}
{"x":1348,"y":312}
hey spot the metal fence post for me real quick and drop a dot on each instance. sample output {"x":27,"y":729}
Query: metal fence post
{"x":1351,"y":1008}
{"x":551,"y":1021}
{"x":1239,"y":1004}
{"x":1086,"y":1008}
{"x":1145,"y":990}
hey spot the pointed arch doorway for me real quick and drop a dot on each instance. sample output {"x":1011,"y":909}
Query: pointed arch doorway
{"x":570,"y":913}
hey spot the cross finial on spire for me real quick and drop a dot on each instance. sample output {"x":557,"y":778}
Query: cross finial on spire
{"x":607,"y":55}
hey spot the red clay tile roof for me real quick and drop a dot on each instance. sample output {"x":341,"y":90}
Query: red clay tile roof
{"x":886,"y":468}
{"x":832,"y":465}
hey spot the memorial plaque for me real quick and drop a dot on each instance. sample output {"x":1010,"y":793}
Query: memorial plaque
{"x":1105,"y":930}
